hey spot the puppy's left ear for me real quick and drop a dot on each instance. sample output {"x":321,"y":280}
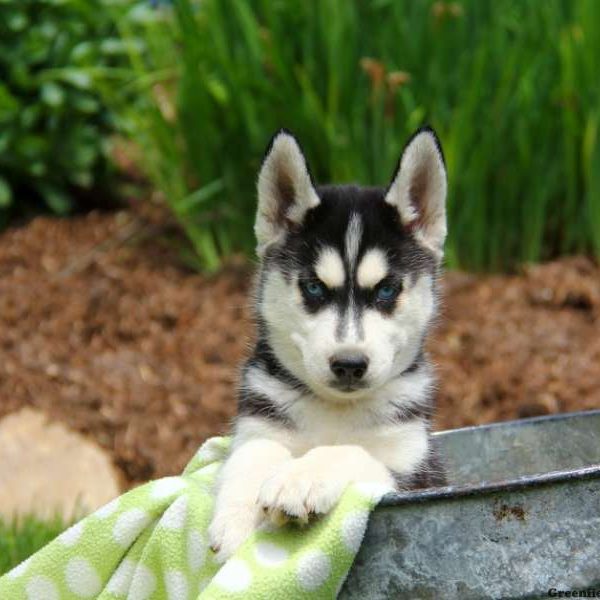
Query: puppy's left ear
{"x":285,"y":190}
{"x":418,"y":190}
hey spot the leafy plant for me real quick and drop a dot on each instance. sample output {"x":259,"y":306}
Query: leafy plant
{"x":54,"y":126}
{"x":510,"y":86}
{"x":20,"y":538}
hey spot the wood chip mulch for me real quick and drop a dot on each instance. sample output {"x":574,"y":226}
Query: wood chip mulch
{"x":103,"y":328}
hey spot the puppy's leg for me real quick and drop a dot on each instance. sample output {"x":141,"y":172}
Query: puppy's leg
{"x":314,"y":483}
{"x":237,"y":513}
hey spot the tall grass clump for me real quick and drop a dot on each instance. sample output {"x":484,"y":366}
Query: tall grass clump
{"x":510,"y":86}
{"x":20,"y":538}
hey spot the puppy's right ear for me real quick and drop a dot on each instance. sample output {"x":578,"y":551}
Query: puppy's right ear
{"x":285,"y":190}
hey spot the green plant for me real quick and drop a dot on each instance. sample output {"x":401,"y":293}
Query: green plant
{"x":54,"y":127}
{"x":510,"y":86}
{"x":20,"y":538}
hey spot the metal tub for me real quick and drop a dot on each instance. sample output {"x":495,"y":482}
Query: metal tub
{"x":520,"y":517}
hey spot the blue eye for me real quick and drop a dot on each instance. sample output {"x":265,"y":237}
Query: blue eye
{"x":386,"y":293}
{"x":314,"y":289}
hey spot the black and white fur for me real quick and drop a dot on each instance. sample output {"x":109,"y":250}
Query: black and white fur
{"x":338,"y":388}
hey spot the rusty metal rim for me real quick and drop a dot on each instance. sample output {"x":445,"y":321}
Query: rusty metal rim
{"x":485,"y":487}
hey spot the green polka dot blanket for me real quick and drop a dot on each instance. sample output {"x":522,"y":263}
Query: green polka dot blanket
{"x":152,"y":544}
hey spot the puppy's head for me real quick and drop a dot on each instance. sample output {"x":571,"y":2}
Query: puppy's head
{"x":347,"y":275}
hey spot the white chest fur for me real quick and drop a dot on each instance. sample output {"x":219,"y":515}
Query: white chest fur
{"x":400,"y":447}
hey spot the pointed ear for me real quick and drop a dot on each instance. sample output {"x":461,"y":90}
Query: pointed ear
{"x":418,"y":190}
{"x":285,"y":190}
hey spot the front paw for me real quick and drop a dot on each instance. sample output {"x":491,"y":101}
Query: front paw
{"x":299,"y":490}
{"x":230,"y":528}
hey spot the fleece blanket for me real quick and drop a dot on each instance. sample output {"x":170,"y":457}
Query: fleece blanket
{"x":152,"y":544}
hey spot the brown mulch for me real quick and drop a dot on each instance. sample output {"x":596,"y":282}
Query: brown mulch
{"x":518,"y":346}
{"x":103,"y":328}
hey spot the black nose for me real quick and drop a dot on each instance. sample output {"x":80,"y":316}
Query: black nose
{"x":349,"y":369}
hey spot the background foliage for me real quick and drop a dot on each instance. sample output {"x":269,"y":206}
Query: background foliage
{"x":510,"y":86}
{"x":20,"y":538}
{"x":53,"y":125}
{"x":200,"y":87}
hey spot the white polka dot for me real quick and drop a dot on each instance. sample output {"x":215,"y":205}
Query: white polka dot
{"x":209,"y":452}
{"x":174,"y":517}
{"x":71,"y":536}
{"x":270,"y":555}
{"x":82,"y":578}
{"x":121,"y":580}
{"x":19,"y":569}
{"x":169,"y":486}
{"x":196,"y":549}
{"x":374,"y":491}
{"x":108,"y":509}
{"x":208,"y":470}
{"x":177,"y":585}
{"x":353,"y":529}
{"x":129,"y":525}
{"x":143,"y":584}
{"x":313,"y":569}
{"x":212,"y":449}
{"x":234,"y":576}
{"x":41,"y":588}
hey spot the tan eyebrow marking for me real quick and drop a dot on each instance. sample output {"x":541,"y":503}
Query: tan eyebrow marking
{"x":330,"y":268}
{"x":372,"y":268}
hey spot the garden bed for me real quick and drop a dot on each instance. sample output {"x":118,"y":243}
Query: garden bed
{"x":103,"y":328}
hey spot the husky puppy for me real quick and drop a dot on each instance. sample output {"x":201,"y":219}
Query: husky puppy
{"x":338,"y":388}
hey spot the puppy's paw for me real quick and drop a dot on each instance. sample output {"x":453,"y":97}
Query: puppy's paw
{"x":230,"y":528}
{"x":300,"y":489}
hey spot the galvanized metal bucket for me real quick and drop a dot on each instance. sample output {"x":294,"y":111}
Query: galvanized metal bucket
{"x":520,"y":518}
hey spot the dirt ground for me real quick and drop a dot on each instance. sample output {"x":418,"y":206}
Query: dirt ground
{"x":103,"y":328}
